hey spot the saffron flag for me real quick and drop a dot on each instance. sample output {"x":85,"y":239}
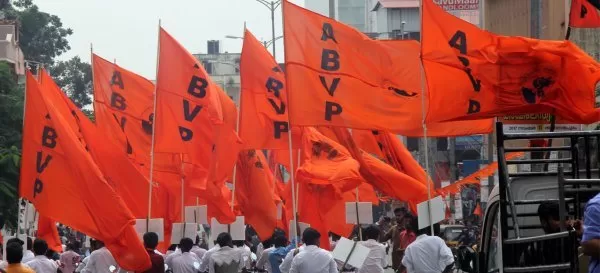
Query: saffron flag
{"x":56,"y":166}
{"x":337,"y":76}
{"x":505,"y":75}
{"x":123,"y":107}
{"x":254,"y":192}
{"x":264,"y":105}
{"x":584,"y":14}
{"x":125,"y":179}
{"x":47,"y":231}
{"x":327,"y":163}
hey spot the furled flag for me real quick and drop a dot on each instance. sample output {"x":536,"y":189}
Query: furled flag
{"x":56,"y":166}
{"x":254,"y":192}
{"x":47,"y":231}
{"x":337,"y":76}
{"x":584,"y":14}
{"x":505,"y":75}
{"x":264,"y":105}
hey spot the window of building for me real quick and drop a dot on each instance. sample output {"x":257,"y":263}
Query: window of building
{"x":237,"y":66}
{"x":412,"y":144}
{"x":208,"y":67}
{"x":442,"y":143}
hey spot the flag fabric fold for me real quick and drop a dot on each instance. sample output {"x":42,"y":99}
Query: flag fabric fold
{"x":47,"y":231}
{"x":584,"y":14}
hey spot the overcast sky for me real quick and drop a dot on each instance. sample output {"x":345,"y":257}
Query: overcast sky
{"x":126,"y":30}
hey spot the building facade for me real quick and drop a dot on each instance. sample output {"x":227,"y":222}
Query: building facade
{"x":351,"y":12}
{"x":10,"y":51}
{"x":223,"y":68}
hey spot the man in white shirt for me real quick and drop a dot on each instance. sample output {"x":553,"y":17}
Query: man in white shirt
{"x":428,"y":254}
{"x":376,"y":259}
{"x":196,"y":249}
{"x":206,"y":257}
{"x":41,"y":263}
{"x":70,"y":259}
{"x":246,"y":253}
{"x":227,"y":259}
{"x":101,"y":260}
{"x":286,"y":265}
{"x":186,"y":262}
{"x":264,"y":261}
{"x":313,"y":259}
{"x":28,"y":254}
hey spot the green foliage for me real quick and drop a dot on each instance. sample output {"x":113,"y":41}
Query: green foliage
{"x":10,"y":159}
{"x":42,"y":35}
{"x":75,"y":78}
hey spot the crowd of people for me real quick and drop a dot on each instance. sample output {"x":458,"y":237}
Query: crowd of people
{"x":411,"y":251}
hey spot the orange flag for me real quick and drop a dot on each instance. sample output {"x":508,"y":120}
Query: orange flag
{"x":125,"y":179}
{"x":48,"y":232}
{"x":254,"y":192}
{"x":56,"y":166}
{"x":188,"y":104}
{"x":584,"y":14}
{"x":337,"y":76}
{"x":505,"y":75}
{"x":264,"y":104}
{"x":123,"y":107}
{"x":328,"y":163}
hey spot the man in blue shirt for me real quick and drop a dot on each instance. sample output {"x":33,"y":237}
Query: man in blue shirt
{"x":591,"y":233}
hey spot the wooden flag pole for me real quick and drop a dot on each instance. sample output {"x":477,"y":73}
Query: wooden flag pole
{"x":150,"y":182}
{"x":426,"y":145}
{"x":360,"y":237}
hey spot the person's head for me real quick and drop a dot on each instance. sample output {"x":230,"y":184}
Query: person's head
{"x":15,"y":240}
{"x":172,"y":247}
{"x":335,"y":237}
{"x":238,"y":243}
{"x":224,"y":239}
{"x":197,"y":241}
{"x":14,"y":252}
{"x":280,"y":241}
{"x":399,"y":213}
{"x":411,"y":223}
{"x":99,"y":244}
{"x":150,"y":240}
{"x":371,"y":232}
{"x":549,"y":216}
{"x":29,"y":243}
{"x":40,"y":247}
{"x":186,"y":244}
{"x":311,"y":236}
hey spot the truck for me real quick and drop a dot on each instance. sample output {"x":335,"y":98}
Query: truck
{"x":512,"y":236}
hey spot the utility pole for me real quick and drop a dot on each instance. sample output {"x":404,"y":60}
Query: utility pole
{"x":332,"y":9}
{"x":273,"y":7}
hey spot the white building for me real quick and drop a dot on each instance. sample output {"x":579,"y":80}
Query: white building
{"x":395,"y":19}
{"x":223,"y":68}
{"x":9,"y":46}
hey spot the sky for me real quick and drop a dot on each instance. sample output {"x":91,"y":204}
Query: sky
{"x":127,"y":30}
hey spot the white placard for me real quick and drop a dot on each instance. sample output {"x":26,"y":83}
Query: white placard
{"x":365,"y":212}
{"x":303,"y":226}
{"x":237,"y":229}
{"x":196,"y":214}
{"x":437,"y":212}
{"x":358,"y":256}
{"x":279,"y":211}
{"x":458,"y":214}
{"x":157,"y":225}
{"x":180,"y":231}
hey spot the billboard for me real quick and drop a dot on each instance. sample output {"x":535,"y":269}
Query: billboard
{"x":539,"y":122}
{"x":467,"y":10}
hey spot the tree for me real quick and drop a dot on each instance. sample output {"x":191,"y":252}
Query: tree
{"x":75,"y":78}
{"x":42,"y":36}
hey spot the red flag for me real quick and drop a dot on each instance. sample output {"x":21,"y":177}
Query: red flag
{"x":477,"y":210}
{"x":56,"y":166}
{"x":584,"y":14}
{"x":48,"y":232}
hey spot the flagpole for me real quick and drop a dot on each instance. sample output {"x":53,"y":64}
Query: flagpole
{"x":424,"y":116}
{"x":153,"y":133}
{"x":182,"y":191}
{"x":237,"y":130}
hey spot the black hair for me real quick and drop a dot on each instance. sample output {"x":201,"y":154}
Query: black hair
{"x":238,"y":243}
{"x":197,"y":241}
{"x":280,"y":241}
{"x":387,"y":219}
{"x":224,"y":239}
{"x":29,"y":243}
{"x":186,"y":244}
{"x":414,"y":224}
{"x":150,"y":240}
{"x":40,"y":247}
{"x":15,"y":240}
{"x":401,"y":209}
{"x":172,"y":247}
{"x":549,"y":210}
{"x":311,"y":236}
{"x":371,"y":232}
{"x":14,"y":252}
